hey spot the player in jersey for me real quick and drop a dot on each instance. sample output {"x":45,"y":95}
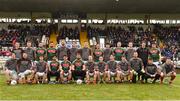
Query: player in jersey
{"x":154,"y":53}
{"x":125,"y":69}
{"x":91,"y":71}
{"x":51,"y":51}
{"x":113,"y":70}
{"x":61,"y":51}
{"x":54,"y":70}
{"x":97,"y":53}
{"x":130,"y":51}
{"x":85,"y":52}
{"x":78,"y":68}
{"x":30,"y":51}
{"x":118,"y":52}
{"x":168,"y":70}
{"x":40,"y":51}
{"x":137,"y":67}
{"x":73,"y":51}
{"x":107,"y":52}
{"x":25,"y":70}
{"x":102,"y":70}
{"x":10,"y":68}
{"x":17,"y":50}
{"x":41,"y":69}
{"x":65,"y":67}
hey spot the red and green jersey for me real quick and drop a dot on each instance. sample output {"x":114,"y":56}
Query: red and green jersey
{"x":97,"y":53}
{"x":118,"y":52}
{"x":154,"y":54}
{"x":65,"y":65}
{"x":78,"y":64}
{"x":40,"y":52}
{"x":50,"y":53}
{"x":54,"y":65}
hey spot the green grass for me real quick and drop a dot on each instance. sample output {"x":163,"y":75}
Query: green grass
{"x":90,"y":92}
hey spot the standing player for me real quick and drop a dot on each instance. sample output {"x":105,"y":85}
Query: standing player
{"x":124,"y":68}
{"x":78,"y":68}
{"x":40,"y":51}
{"x":25,"y":70}
{"x":65,"y":67}
{"x":51,"y":52}
{"x":118,"y":52}
{"x":73,"y":52}
{"x":41,"y":70}
{"x":130,"y":51}
{"x":85,"y":52}
{"x":168,"y":70}
{"x":143,"y":53}
{"x":113,"y":70}
{"x":54,"y":70}
{"x":63,"y":50}
{"x":97,"y":53}
{"x":17,"y":50}
{"x":91,"y":71}
{"x":102,"y":69}
{"x":30,"y":51}
{"x":137,"y":67}
{"x":107,"y":52}
{"x":10,"y":68}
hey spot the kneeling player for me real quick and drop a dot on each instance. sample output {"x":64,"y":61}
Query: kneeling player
{"x":91,"y":71}
{"x":168,"y":70}
{"x":151,"y":71}
{"x":113,"y":70}
{"x":65,"y":70}
{"x":124,"y":68}
{"x":54,"y":70}
{"x":102,"y":70}
{"x":41,"y":70}
{"x":25,"y":70}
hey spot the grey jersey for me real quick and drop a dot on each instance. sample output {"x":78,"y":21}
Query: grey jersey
{"x":112,"y":65}
{"x":107,"y":53}
{"x":124,"y":65}
{"x":85,"y":52}
{"x":11,"y":64}
{"x":24,"y":64}
{"x":73,"y":53}
{"x":41,"y":66}
{"x":18,"y":53}
{"x":136,"y":64}
{"x":167,"y":68}
{"x":151,"y":69}
{"x":90,"y":66}
{"x":129,"y":54}
{"x":61,"y":52}
{"x":101,"y":66}
{"x":30,"y":52}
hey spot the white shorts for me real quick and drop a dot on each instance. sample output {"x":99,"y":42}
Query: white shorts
{"x":23,"y":74}
{"x":40,"y":74}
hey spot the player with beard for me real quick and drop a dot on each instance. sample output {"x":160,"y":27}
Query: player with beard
{"x":113,"y":70}
{"x":125,"y":69}
{"x":78,"y":68}
{"x":143,"y":53}
{"x":17,"y":50}
{"x":54,"y":70}
{"x":118,"y":52}
{"x":51,"y":52}
{"x":168,"y":70}
{"x":91,"y":71}
{"x":73,"y":52}
{"x":85,"y":52}
{"x":154,"y":53}
{"x":10,"y":68}
{"x":30,"y":51}
{"x":41,"y":69}
{"x":25,"y":70}
{"x":65,"y":67}
{"x":130,"y":51}
{"x":107,"y":52}
{"x":97,"y":53}
{"x":61,"y":51}
{"x":151,"y":71}
{"x":40,"y":51}
{"x":137,"y":67}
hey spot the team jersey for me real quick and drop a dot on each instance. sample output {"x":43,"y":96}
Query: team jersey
{"x":124,"y":65}
{"x":154,"y":54}
{"x":101,"y":66}
{"x":18,"y":52}
{"x":73,"y":53}
{"x":85,"y":52}
{"x":40,"y":52}
{"x":107,"y":53}
{"x":23,"y":65}
{"x":65,"y":66}
{"x":112,"y":65}
{"x":78,"y":64}
{"x":118,"y":52}
{"x":90,"y":66}
{"x":97,"y":54}
{"x":143,"y":54}
{"x":51,"y":52}
{"x":11,"y":64}
{"x":167,"y":68}
{"x":61,"y":52}
{"x":136,"y":64}
{"x":129,"y":54}
{"x":54,"y":65}
{"x":41,"y":66}
{"x":31,"y":53}
{"x":151,"y":69}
